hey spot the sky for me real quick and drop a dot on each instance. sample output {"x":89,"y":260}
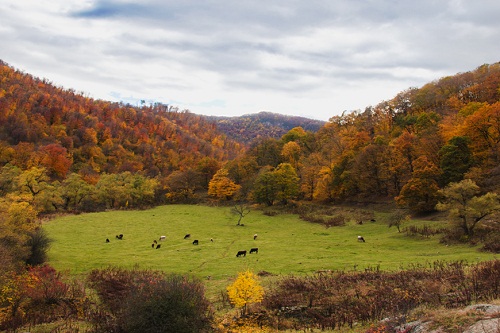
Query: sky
{"x":307,"y":58}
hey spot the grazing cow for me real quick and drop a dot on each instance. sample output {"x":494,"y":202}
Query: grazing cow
{"x":120,"y":236}
{"x":361,"y":239}
{"x":241,"y":253}
{"x":107,"y":240}
{"x":158,"y":246}
{"x":195,"y":242}
{"x":255,"y":237}
{"x":153,"y":245}
{"x":373,"y":220}
{"x":187,"y":236}
{"x":162,"y":238}
{"x":254,"y":250}
{"x":211,"y":239}
{"x":155,"y":241}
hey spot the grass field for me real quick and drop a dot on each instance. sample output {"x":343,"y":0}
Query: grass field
{"x":286,"y":244}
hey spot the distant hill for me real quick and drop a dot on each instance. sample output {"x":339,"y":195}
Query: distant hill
{"x":249,"y":127}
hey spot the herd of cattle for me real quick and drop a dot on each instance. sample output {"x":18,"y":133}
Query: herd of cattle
{"x":241,"y":253}
{"x":156,"y":245}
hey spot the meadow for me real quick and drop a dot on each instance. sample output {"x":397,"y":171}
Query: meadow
{"x":287,"y":245}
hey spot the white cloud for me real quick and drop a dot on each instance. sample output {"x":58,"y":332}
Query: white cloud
{"x":313,"y":58}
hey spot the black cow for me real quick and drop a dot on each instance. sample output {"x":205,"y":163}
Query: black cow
{"x":120,"y":236}
{"x":361,"y":239}
{"x":155,"y":241}
{"x":254,"y":250}
{"x":158,"y":246}
{"x":187,"y":236}
{"x":153,"y":245}
{"x":107,"y":240}
{"x":241,"y":253}
{"x":195,"y":242}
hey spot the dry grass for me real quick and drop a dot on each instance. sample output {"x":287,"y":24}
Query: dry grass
{"x":452,"y":320}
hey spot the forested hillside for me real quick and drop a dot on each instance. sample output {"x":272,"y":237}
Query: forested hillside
{"x":406,"y":148}
{"x":65,"y":132}
{"x":249,"y":127}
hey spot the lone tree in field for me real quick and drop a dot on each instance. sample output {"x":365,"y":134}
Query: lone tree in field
{"x":245,"y":290}
{"x":240,"y":210}
{"x":464,"y":207}
{"x":397,"y":218}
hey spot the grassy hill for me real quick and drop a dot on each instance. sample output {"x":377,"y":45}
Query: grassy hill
{"x":287,"y":245}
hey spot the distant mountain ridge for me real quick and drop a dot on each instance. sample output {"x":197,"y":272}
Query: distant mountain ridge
{"x":247,"y":128}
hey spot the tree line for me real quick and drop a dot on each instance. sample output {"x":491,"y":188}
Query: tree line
{"x":405,"y":148}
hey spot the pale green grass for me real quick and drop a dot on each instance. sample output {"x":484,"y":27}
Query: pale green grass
{"x":286,"y":244}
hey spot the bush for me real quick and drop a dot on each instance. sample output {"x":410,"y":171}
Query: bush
{"x":149,"y":301}
{"x":492,"y":243}
{"x":115,"y":284}
{"x":175,"y":304}
{"x":39,"y":244}
{"x":38,"y":296}
{"x":424,"y":231}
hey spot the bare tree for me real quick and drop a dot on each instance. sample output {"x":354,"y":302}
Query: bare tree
{"x":397,"y":218}
{"x":241,"y":210}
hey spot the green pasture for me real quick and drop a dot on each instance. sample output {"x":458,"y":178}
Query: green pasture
{"x":287,"y":245}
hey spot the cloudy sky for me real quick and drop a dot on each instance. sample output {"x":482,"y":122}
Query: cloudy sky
{"x":231,"y":57}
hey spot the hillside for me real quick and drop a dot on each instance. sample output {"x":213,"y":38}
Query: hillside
{"x":94,"y":136}
{"x":403,"y":149}
{"x":247,"y":128}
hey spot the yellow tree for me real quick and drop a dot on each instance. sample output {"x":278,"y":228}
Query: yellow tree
{"x":221,"y":186}
{"x":245,"y":290}
{"x":291,"y":153}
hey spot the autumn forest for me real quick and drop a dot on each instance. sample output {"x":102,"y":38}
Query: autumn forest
{"x":52,"y":139}
{"x":63,"y":152}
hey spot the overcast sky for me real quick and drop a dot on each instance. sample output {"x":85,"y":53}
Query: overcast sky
{"x":299,"y":57}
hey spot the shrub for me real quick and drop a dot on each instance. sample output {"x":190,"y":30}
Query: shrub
{"x":149,"y":301}
{"x":37,"y":296}
{"x":175,"y":304}
{"x":492,"y":243}
{"x":424,"y":231}
{"x":328,"y":221}
{"x":39,"y":244}
{"x":115,"y":284}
